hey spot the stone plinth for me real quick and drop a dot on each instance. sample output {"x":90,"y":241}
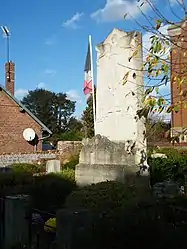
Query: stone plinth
{"x":103,"y":160}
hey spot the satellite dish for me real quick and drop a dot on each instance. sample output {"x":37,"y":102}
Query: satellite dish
{"x":29,"y":134}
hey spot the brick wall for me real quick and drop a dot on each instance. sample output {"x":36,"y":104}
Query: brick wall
{"x":178,"y":69}
{"x":9,"y":77}
{"x":68,"y":148}
{"x":12,"y":124}
{"x":9,"y":159}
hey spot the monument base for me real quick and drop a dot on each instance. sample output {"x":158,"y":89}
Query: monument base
{"x":88,"y":174}
{"x":104,"y":160}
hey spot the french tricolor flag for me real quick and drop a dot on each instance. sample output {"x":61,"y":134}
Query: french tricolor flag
{"x":88,"y":73}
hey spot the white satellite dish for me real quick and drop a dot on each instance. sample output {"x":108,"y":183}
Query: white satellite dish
{"x":29,"y":134}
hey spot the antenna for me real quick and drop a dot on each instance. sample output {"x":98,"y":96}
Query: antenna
{"x":6,"y":34}
{"x":29,"y":134}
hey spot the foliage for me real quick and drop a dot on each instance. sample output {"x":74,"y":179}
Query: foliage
{"x":50,"y":225}
{"x":27,"y":167}
{"x":157,"y":67}
{"x":68,"y":174}
{"x":14,"y":182}
{"x":11,"y":179}
{"x":47,"y":191}
{"x":54,"y":109}
{"x":68,"y":136}
{"x":72,"y":162}
{"x":120,"y":218}
{"x":88,"y":118}
{"x":50,"y":191}
{"x":156,"y":130}
{"x":174,"y":167}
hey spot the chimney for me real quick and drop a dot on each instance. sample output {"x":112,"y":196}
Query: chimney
{"x":9,"y":77}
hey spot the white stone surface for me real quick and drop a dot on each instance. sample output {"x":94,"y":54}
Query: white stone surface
{"x":53,"y":166}
{"x":117,"y":104}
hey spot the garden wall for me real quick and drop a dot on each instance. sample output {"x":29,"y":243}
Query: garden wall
{"x":69,"y":148}
{"x":65,"y":149}
{"x":9,"y":159}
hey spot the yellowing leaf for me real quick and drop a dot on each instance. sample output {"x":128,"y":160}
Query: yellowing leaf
{"x":135,"y":53}
{"x":185,"y":105}
{"x":181,"y":92}
{"x":158,"y":72}
{"x":124,"y":80}
{"x":158,"y":24}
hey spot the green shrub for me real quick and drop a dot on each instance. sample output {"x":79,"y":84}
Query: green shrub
{"x":72,"y":162}
{"x":50,"y":191}
{"x":68,"y":174}
{"x":27,"y":167}
{"x":122,"y":217}
{"x":174,"y":167}
{"x":102,"y":196}
{"x":14,"y":182}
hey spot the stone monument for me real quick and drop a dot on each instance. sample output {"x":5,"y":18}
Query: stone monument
{"x":121,"y":145}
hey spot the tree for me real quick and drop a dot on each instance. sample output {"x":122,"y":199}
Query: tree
{"x":156,"y":130}
{"x":73,"y":133}
{"x":157,"y":64}
{"x":87,"y":117}
{"x":54,"y":110}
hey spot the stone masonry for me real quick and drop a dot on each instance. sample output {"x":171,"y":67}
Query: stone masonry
{"x":101,"y":160}
{"x":9,"y":159}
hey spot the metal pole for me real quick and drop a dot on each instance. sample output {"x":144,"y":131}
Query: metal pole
{"x":93,"y":89}
{"x":8,"y":48}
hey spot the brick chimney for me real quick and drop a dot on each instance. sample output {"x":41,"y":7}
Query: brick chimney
{"x":9,"y":77}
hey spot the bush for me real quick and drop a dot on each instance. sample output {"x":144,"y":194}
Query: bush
{"x":49,"y":192}
{"x":174,"y":167}
{"x":72,"y":162}
{"x":123,"y":218}
{"x":14,"y":182}
{"x":68,"y":174}
{"x":27,"y":167}
{"x":102,"y":197}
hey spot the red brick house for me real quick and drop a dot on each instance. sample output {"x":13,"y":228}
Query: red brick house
{"x":15,"y":118}
{"x":178,"y":36}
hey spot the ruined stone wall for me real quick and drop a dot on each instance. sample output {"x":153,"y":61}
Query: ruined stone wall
{"x":68,"y":148}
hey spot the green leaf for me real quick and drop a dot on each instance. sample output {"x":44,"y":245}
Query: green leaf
{"x":160,"y":109}
{"x":176,"y":108}
{"x":149,"y":90}
{"x":157,"y":90}
{"x":161,"y":101}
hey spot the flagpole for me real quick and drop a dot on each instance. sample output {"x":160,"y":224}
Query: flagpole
{"x":93,"y":89}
